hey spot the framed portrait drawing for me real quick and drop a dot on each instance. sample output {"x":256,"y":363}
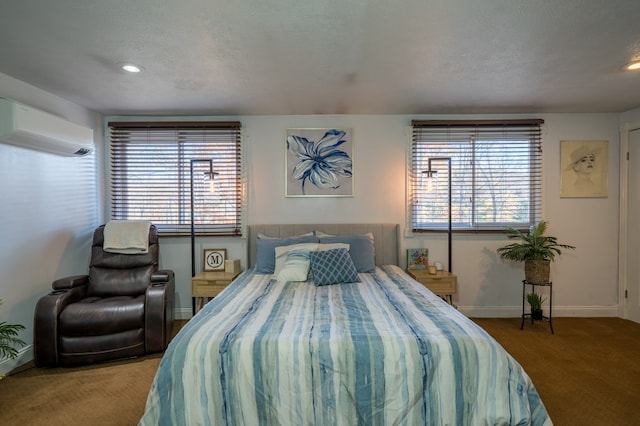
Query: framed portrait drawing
{"x":213,"y":259}
{"x":319,"y":163}
{"x":584,"y":168}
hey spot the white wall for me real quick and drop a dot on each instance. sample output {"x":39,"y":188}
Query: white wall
{"x":632,"y":116}
{"x":585,"y":281}
{"x":49,"y":206}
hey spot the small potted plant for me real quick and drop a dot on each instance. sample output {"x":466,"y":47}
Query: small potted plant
{"x":9,"y":339}
{"x":535,"y":302}
{"x":535,"y":249}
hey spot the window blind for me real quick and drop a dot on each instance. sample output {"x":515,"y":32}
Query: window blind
{"x":150,"y":175}
{"x":496,"y":171}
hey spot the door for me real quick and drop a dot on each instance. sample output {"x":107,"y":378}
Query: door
{"x":633,"y":228}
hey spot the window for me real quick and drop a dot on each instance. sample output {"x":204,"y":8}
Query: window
{"x":150,"y":175}
{"x":496,"y":173}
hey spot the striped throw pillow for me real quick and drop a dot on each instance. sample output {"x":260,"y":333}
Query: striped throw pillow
{"x":296,"y":266}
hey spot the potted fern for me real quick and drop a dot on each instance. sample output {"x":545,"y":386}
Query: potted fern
{"x":9,"y":339}
{"x":535,"y":302}
{"x":535,"y":249}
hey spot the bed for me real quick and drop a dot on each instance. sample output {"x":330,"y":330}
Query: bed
{"x":380,"y":349}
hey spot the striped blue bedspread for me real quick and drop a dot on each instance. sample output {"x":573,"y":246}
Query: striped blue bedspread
{"x":385,"y":351}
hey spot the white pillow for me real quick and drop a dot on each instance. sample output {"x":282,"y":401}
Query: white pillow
{"x":333,"y":246}
{"x":296,"y":266}
{"x":283,"y":251}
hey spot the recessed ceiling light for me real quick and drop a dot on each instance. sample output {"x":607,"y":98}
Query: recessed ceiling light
{"x":631,"y":66}
{"x":130,"y":67}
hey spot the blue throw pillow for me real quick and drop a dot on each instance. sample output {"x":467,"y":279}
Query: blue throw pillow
{"x":333,"y":267}
{"x":266,"y":250}
{"x":361,"y":249}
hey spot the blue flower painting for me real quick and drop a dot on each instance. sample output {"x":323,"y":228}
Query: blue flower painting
{"x":319,"y":162}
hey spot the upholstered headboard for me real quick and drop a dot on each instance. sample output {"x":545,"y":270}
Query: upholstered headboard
{"x":386,"y":237}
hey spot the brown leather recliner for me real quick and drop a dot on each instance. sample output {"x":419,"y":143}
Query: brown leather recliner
{"x":123,"y":308}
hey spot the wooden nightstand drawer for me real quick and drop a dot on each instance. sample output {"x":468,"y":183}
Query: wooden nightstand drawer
{"x":208,"y":285}
{"x":447,"y":286}
{"x":220,"y":281}
{"x":207,"y":289}
{"x":443,"y":283}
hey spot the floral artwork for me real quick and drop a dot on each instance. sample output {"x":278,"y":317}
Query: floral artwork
{"x":417,"y":258}
{"x":319,"y":163}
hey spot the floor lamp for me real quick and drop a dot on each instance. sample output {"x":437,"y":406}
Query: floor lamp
{"x":211,"y":176}
{"x":430,"y":173}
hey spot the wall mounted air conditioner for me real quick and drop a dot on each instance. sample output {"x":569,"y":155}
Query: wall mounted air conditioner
{"x":29,"y":127}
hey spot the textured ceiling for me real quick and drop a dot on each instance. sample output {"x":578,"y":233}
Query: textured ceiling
{"x":229,"y":57}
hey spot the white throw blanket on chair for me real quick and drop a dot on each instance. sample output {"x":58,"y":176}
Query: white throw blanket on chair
{"x":126,"y":236}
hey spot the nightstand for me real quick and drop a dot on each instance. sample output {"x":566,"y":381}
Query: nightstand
{"x":444,"y":284}
{"x":208,"y":285}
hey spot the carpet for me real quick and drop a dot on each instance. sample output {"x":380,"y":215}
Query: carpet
{"x":587,"y":373}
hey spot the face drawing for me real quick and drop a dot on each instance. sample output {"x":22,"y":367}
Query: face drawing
{"x":585,"y":164}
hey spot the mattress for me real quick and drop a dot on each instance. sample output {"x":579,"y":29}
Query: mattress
{"x":383,"y":351}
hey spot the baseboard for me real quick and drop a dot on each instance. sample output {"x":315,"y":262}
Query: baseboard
{"x":586,"y":311}
{"x":559,"y":311}
{"x":25,"y":356}
{"x":183,"y":313}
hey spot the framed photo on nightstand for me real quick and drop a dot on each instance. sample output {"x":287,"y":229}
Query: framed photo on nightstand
{"x":417,"y":258}
{"x":213,"y":259}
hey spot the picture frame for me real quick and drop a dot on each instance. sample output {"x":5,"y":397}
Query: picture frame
{"x":305,"y":176}
{"x":583,"y":168}
{"x":417,"y":258}
{"x":214,"y":259}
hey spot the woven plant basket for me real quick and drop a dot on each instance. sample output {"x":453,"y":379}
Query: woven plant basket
{"x":537,"y":271}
